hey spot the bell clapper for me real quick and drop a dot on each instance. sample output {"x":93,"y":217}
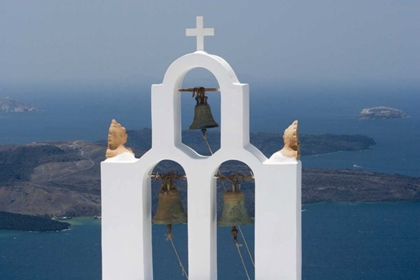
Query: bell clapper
{"x":169,"y":228}
{"x":234,"y":232}
{"x":203,"y":130}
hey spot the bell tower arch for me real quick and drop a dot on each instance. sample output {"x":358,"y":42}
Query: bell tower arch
{"x":126,"y":195}
{"x":167,"y":131}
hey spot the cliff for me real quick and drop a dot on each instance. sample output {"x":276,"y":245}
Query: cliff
{"x":63,"y":178}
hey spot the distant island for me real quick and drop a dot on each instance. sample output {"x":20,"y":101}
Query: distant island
{"x":11,"y":221}
{"x":381,"y":113}
{"x":63,"y":178}
{"x":9,"y":105}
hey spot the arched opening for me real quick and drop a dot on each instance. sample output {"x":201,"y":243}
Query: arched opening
{"x":169,"y":207}
{"x":194,"y":116}
{"x":235,"y":216}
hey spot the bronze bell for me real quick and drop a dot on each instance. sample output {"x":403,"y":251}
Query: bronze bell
{"x":170,"y":210}
{"x":202,"y":114}
{"x":234,"y":212}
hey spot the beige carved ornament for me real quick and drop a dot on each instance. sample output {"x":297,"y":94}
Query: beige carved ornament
{"x":291,"y":147}
{"x":117,"y":137}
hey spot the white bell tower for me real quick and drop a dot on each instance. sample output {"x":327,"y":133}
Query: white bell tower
{"x":126,"y":184}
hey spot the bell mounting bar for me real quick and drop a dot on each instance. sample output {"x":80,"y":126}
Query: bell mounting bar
{"x":167,"y":176}
{"x":196,"y":89}
{"x":236,"y":177}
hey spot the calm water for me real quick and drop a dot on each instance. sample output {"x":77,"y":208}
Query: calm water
{"x":340,"y":241}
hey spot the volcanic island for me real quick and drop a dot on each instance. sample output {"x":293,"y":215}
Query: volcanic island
{"x":381,"y":113}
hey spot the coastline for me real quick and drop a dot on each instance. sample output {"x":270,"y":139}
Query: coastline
{"x":64,"y":180}
{"x":21,"y":222}
{"x":72,"y":224}
{"x":83,"y":221}
{"x":91,"y":221}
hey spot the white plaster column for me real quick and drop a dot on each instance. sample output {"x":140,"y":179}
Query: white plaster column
{"x":126,"y":222}
{"x":278,"y":246}
{"x":166,"y":116}
{"x":202,"y":222}
{"x":234,"y":132}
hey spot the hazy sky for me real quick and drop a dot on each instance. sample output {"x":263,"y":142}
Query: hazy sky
{"x":89,"y":42}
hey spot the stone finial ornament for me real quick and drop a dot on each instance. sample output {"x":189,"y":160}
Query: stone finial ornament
{"x":117,"y":137}
{"x":291,"y":147}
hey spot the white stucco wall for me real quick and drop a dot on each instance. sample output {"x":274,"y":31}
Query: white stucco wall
{"x":126,"y":190}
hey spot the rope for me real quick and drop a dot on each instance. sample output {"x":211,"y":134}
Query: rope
{"x":205,"y":139}
{"x":208,"y":145}
{"x":242,"y":259}
{"x":240,"y":230}
{"x":246,"y":245}
{"x":211,"y":152}
{"x":221,"y":181}
{"x":169,"y":236}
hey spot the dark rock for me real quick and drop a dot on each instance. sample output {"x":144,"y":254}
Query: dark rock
{"x":63,"y":178}
{"x":11,"y":221}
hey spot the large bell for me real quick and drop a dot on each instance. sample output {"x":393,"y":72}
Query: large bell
{"x":202,"y":114}
{"x":234,"y":212}
{"x":170,"y":210}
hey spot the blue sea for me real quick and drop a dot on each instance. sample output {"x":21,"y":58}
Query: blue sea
{"x":340,"y":241}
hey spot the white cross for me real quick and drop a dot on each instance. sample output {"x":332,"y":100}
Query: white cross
{"x":200,"y":32}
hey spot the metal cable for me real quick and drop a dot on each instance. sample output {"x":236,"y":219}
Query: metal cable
{"x":240,"y":230}
{"x":211,"y":152}
{"x":246,"y":245}
{"x":242,"y":259}
{"x":176,"y":253}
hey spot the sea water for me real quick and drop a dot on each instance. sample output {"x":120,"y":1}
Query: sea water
{"x":364,"y":241}
{"x":86,"y":115}
{"x":340,"y":241}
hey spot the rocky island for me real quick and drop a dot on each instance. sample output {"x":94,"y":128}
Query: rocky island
{"x":9,"y":105}
{"x":381,"y":113}
{"x":63,"y":178}
{"x":11,"y":221}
